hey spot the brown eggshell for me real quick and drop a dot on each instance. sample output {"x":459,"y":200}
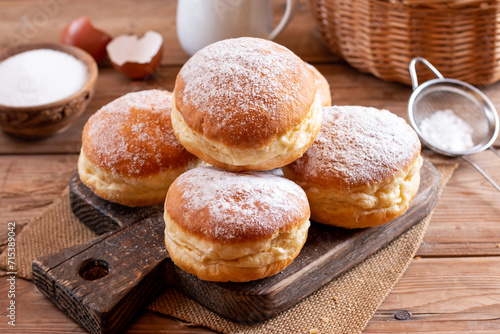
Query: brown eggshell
{"x":128,"y":53}
{"x":81,"y":33}
{"x":137,"y":70}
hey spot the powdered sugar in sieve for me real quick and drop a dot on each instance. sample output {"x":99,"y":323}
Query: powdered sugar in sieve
{"x":452,"y":117}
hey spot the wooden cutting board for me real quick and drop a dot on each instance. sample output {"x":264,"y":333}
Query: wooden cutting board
{"x":102,"y":284}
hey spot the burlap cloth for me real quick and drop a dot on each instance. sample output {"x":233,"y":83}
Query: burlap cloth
{"x":343,"y":306}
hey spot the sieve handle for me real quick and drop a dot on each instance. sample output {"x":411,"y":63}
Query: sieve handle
{"x":494,"y":151}
{"x":413,"y":71}
{"x":486,"y":176}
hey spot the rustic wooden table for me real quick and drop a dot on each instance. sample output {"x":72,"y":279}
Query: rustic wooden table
{"x":453,"y":285}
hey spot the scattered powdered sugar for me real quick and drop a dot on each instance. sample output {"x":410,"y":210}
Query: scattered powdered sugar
{"x":231,"y":79}
{"x":129,"y":135}
{"x":240,"y":204}
{"x":445,"y":130}
{"x":358,"y":145}
{"x":40,"y":76}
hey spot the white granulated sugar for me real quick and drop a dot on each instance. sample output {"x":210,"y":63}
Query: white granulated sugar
{"x":241,"y":202}
{"x":445,"y":130}
{"x":40,"y":76}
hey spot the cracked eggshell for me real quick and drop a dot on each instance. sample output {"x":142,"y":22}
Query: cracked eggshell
{"x":136,"y":57}
{"x":81,"y":33}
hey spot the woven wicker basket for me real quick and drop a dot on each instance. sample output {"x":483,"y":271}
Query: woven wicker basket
{"x":460,"y":38}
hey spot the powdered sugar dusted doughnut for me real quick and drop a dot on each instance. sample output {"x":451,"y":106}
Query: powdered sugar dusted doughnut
{"x":362,"y":170}
{"x":130,"y":154}
{"x":322,"y":85}
{"x":225,"y":226}
{"x":246,"y":104}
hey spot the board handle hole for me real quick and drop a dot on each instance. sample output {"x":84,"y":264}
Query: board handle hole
{"x":92,"y":269}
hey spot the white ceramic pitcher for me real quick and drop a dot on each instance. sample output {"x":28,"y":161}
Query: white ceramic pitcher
{"x":203,"y":22}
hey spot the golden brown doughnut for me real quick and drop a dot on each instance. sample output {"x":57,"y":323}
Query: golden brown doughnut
{"x":129,"y":153}
{"x":362,"y":170}
{"x":225,"y":226}
{"x":246,"y":104}
{"x":323,"y":86}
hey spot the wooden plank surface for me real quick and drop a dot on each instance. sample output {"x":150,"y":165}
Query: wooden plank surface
{"x":453,"y":287}
{"x":466,"y":222}
{"x":442,"y":299}
{"x":29,"y":184}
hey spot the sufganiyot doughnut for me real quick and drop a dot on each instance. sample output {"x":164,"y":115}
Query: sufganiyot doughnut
{"x":362,"y":170}
{"x":225,"y":226}
{"x":129,"y":153}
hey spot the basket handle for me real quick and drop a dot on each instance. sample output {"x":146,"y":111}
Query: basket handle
{"x":413,"y":72}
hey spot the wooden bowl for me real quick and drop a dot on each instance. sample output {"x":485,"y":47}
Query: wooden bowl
{"x":33,"y":122}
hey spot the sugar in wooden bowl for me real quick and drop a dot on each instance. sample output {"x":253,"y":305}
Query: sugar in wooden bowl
{"x":44,"y":88}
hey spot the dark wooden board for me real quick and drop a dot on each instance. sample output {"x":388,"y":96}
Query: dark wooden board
{"x":102,"y":216}
{"x":133,"y":251}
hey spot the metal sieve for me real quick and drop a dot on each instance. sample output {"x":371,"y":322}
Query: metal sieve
{"x":465,"y":101}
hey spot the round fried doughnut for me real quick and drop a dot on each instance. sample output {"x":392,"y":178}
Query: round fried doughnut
{"x":323,"y":86}
{"x":246,"y":104}
{"x":363,"y":169}
{"x":129,"y":153}
{"x":225,"y":226}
